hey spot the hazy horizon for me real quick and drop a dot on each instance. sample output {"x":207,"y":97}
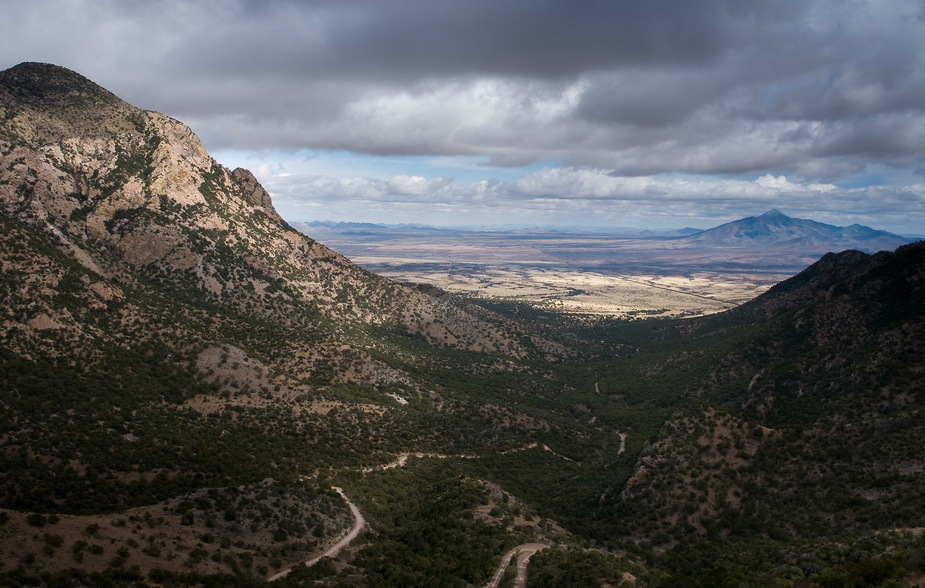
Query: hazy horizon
{"x":551,"y":227}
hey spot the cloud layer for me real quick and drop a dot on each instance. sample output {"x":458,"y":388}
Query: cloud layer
{"x":821,"y":91}
{"x":572,"y":196}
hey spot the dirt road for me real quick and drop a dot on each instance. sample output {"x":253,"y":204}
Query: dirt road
{"x":344,"y":541}
{"x":525,"y":552}
{"x":402,"y":458}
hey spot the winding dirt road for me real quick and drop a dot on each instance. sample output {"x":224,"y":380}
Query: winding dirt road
{"x":525,"y":552}
{"x":402,"y":458}
{"x":345,"y":540}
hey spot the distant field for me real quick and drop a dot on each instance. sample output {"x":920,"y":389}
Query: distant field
{"x":580,"y":273}
{"x":575,"y":290}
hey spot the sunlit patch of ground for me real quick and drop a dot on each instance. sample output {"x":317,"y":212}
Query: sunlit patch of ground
{"x":580,"y":273}
{"x":574,"y":290}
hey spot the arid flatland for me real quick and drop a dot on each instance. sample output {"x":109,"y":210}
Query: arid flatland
{"x":604,"y":274}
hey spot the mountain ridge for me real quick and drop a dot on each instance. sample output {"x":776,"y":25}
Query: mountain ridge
{"x":143,"y":186}
{"x":777,"y":230}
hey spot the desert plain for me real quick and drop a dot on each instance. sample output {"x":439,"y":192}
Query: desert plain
{"x":617,"y":275}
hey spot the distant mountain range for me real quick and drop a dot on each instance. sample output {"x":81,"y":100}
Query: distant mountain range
{"x":772,"y":229}
{"x":342,"y":227}
{"x":776,"y":229}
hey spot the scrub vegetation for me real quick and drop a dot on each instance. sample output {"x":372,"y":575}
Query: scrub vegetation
{"x":184,"y":380}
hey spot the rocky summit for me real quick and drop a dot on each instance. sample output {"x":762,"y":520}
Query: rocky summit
{"x":133,"y":194}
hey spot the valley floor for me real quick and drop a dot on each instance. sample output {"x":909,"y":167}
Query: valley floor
{"x":607,"y":275}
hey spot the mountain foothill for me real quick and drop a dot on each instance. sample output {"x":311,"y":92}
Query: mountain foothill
{"x":187,"y":385}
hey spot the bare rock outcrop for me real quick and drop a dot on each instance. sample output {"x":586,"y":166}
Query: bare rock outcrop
{"x":134,"y":195}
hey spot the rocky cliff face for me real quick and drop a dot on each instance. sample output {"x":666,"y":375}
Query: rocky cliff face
{"x":103,"y":172}
{"x":136,"y":200}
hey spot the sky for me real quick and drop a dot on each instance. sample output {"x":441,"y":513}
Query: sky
{"x":617,"y":113}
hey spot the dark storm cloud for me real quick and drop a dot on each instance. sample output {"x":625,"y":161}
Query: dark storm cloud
{"x":815,"y":89}
{"x":639,"y":87}
{"x":410,"y":40}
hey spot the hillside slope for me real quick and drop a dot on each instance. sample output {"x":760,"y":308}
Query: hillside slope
{"x":164,"y":332}
{"x":805,"y":432}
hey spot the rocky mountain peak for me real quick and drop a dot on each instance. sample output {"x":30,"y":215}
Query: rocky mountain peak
{"x":134,"y":197}
{"x":777,"y":230}
{"x":45,"y":84}
{"x":258,"y":195}
{"x":48,"y":103}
